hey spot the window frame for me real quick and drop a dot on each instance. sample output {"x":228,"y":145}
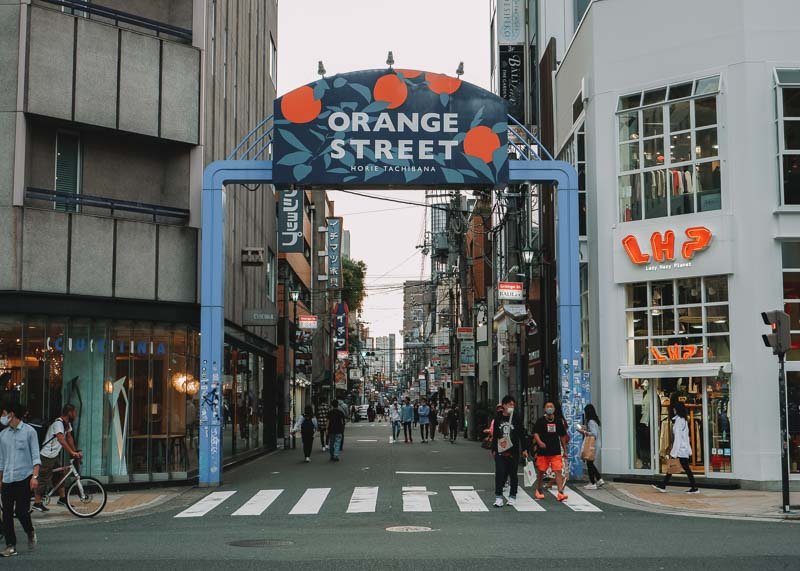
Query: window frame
{"x":780,"y":122}
{"x":78,"y":169}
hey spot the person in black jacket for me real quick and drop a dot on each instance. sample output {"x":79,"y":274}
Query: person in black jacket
{"x":507,"y":445}
{"x":335,"y":430}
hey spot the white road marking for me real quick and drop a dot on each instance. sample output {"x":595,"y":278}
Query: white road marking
{"x":363,"y":500}
{"x":416,"y":499}
{"x":258,"y":503}
{"x":311,"y":501}
{"x":205,"y":505}
{"x":366,"y":440}
{"x":576,"y":502}
{"x":468,"y":499}
{"x":525,"y":503}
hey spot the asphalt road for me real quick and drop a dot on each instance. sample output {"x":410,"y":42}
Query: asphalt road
{"x":557,"y":537}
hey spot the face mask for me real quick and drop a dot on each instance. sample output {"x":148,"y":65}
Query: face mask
{"x":4,"y":420}
{"x":549,"y":411}
{"x":510,"y":410}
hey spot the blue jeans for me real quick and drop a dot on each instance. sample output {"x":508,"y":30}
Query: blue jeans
{"x":336,"y":445}
{"x":395,"y":430}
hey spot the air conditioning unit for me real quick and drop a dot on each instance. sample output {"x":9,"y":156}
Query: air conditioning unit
{"x":253,"y":257}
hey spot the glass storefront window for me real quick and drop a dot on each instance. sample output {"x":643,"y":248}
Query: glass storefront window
{"x":719,"y":425}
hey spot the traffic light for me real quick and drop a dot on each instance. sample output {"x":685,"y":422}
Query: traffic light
{"x":779,"y":339}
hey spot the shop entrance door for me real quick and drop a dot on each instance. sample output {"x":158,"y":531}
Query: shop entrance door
{"x":667,"y":393}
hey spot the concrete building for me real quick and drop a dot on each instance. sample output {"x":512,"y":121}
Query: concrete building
{"x":107,"y":119}
{"x":687,"y":136}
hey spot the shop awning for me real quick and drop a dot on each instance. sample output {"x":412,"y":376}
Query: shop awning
{"x":672,"y":371}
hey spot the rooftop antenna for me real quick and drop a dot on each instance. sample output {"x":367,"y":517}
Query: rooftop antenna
{"x":390,"y":60}
{"x":321,"y":69}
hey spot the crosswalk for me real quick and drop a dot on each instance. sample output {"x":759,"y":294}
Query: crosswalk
{"x":364,"y":499}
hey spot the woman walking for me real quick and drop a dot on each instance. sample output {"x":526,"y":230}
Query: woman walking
{"x":307,"y":425}
{"x":592,"y":429}
{"x":681,"y":449}
{"x":434,"y":422}
{"x":394,"y":419}
{"x":424,"y":412}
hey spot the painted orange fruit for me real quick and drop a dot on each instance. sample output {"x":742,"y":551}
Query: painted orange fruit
{"x":481,"y":142}
{"x":440,"y":83}
{"x":391,"y":89}
{"x":410,"y":73}
{"x":299,"y":105}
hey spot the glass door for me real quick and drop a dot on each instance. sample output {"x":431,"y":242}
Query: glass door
{"x":690,"y":392}
{"x":641,"y":418}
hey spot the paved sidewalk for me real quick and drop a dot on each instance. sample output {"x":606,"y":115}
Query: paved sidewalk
{"x":119,"y":504}
{"x":734,"y":504}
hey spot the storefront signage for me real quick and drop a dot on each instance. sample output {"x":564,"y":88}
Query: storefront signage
{"x":676,"y":352}
{"x":102,"y":345}
{"x":307,"y":322}
{"x":464,"y":333}
{"x":255,"y":316}
{"x":467,"y":358}
{"x":510,"y":291}
{"x":334,"y":253}
{"x":290,"y":222}
{"x":511,"y":79}
{"x":511,"y":21}
{"x":391,"y":127}
{"x":340,"y":328}
{"x":662,"y":247}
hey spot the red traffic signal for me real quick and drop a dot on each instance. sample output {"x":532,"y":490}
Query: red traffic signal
{"x":780,"y":339}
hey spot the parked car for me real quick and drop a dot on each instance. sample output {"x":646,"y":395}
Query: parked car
{"x":362,"y":411}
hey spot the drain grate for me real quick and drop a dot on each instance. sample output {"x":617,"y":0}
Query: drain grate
{"x":261,"y":543}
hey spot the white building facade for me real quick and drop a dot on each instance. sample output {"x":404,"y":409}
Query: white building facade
{"x":685,"y":118}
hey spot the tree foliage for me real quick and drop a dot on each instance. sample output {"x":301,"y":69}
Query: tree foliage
{"x":353,"y":272}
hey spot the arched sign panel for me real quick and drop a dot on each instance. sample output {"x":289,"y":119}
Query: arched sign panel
{"x":390,"y":128}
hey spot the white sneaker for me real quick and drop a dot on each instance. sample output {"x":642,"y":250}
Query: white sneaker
{"x":590,"y":487}
{"x":512,"y":501}
{"x":498,"y":502}
{"x":600,"y":483}
{"x":308,"y":459}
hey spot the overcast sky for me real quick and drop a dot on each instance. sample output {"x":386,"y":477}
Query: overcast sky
{"x":349,"y":35}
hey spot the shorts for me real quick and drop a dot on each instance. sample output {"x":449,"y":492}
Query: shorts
{"x":554,"y":462}
{"x":46,"y":470}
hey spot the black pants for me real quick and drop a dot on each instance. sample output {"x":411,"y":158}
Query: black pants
{"x":433,"y":426}
{"x":685,"y":465}
{"x":505,"y":468}
{"x":453,"y":431}
{"x":594,"y":473}
{"x":407,"y":431}
{"x":16,"y":498}
{"x":322,"y":437}
{"x":423,"y":431}
{"x":308,"y":442}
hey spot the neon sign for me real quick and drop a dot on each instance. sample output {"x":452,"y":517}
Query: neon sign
{"x":662,"y":246}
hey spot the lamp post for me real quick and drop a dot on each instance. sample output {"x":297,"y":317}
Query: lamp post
{"x":527,"y":255}
{"x":295,"y":295}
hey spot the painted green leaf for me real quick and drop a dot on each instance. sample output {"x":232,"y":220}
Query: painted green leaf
{"x":499,"y":157}
{"x":323,"y":115}
{"x":500,"y":127}
{"x":301,"y":171}
{"x":339,"y":170}
{"x":363,"y":90}
{"x":320,"y":88}
{"x":477,"y":119}
{"x":348,"y":159}
{"x":444,"y":98}
{"x":349,"y":105}
{"x":281,"y":121}
{"x":294,"y":158}
{"x":376,"y":106}
{"x":350,"y":178}
{"x":371,"y":173}
{"x":452,"y":176}
{"x":467,"y":172}
{"x":460,"y":137}
{"x":339,"y":82}
{"x":290,"y":138}
{"x":412,"y":175}
{"x":479,"y":166}
{"x":319,"y":136}
{"x":326,"y":158}
{"x":439,"y":158}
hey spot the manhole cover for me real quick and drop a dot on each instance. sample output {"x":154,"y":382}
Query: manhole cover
{"x":261,"y":543}
{"x":408,"y":529}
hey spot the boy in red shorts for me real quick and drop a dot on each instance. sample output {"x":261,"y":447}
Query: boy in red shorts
{"x":549,"y":435}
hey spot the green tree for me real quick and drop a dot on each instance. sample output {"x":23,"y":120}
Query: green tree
{"x":353,"y":293}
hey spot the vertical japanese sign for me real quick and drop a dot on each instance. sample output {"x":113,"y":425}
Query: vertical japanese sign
{"x":290,"y":222}
{"x":340,"y":328}
{"x":334,"y":253}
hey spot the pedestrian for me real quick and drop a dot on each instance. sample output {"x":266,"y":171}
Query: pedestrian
{"x":507,"y":445}
{"x":416,"y":413}
{"x":452,"y":423}
{"x":592,"y":428}
{"x":434,"y":423}
{"x":353,"y":413}
{"x":681,"y":449}
{"x":380,"y":412}
{"x":343,"y":408}
{"x":307,"y":426}
{"x":394,"y":419}
{"x":59,"y":436}
{"x":370,"y":413}
{"x":19,"y":474}
{"x":407,"y":417}
{"x":322,"y":424}
{"x":335,"y":430}
{"x":424,"y":412}
{"x":549,"y":434}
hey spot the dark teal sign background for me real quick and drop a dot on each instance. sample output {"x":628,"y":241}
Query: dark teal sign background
{"x":390,"y":128}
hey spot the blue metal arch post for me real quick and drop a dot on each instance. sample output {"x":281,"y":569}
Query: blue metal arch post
{"x":212,"y":303}
{"x":575,"y":390}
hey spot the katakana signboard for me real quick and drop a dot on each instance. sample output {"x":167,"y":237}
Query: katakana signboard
{"x":290,"y":222}
{"x":334,"y":253}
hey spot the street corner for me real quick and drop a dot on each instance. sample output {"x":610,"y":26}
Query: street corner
{"x":729,"y":504}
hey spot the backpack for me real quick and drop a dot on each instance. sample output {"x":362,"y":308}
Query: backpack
{"x":41,"y":428}
{"x":307,"y":428}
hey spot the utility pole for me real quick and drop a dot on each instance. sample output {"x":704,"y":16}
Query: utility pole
{"x":286,"y":332}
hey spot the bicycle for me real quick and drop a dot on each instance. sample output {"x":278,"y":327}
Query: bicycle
{"x":86,"y":497}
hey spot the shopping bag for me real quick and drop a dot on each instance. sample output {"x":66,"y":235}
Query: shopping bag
{"x":529,"y":474}
{"x":587,"y":449}
{"x":674,"y":466}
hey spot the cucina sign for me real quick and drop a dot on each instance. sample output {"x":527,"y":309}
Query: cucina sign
{"x":390,"y":128}
{"x":102,"y":345}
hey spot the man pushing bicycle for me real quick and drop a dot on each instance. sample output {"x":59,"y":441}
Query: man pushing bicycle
{"x":59,"y":435}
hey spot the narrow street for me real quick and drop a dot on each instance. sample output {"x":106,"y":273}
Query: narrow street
{"x":284,"y":513}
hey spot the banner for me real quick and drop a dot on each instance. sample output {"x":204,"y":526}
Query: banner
{"x":340,"y":312}
{"x":510,"y":291}
{"x":290,"y":222}
{"x":467,"y":358}
{"x":511,"y":80}
{"x":385,"y":127}
{"x":511,"y":21}
{"x":334,"y":253}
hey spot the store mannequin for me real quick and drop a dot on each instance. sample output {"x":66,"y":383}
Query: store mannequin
{"x":643,"y":428}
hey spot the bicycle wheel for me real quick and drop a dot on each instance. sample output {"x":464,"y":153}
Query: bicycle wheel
{"x":86,"y":497}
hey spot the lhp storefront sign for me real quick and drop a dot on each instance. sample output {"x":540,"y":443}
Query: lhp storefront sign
{"x":384,"y":128}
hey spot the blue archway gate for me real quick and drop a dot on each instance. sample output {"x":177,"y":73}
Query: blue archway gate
{"x":384,"y":129}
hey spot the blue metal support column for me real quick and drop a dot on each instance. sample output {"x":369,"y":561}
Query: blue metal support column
{"x":212,"y":303}
{"x":574,"y":388}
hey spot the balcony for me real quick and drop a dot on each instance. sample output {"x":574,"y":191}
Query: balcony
{"x":103,"y":67}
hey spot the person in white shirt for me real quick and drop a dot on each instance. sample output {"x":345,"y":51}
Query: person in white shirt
{"x":681,"y":449}
{"x":58,"y":437}
{"x":394,"y":419}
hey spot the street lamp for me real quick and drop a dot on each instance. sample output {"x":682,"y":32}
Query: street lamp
{"x":528,"y":255}
{"x":294,"y":295}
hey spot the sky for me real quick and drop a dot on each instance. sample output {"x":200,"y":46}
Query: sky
{"x":350,"y":35}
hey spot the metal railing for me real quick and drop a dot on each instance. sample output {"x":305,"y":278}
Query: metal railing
{"x":118,"y":16}
{"x":532,"y":148}
{"x":67,"y":199}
